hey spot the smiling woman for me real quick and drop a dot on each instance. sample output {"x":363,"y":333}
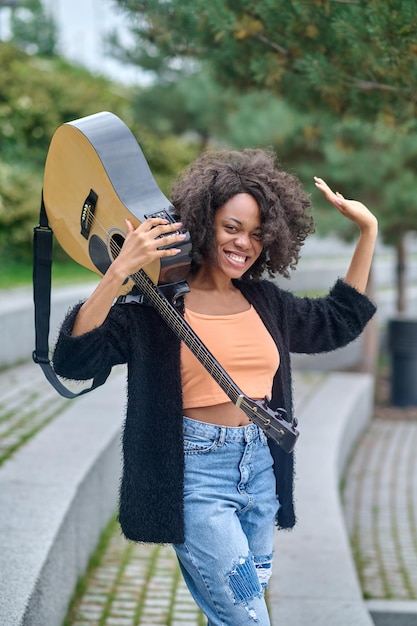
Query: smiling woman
{"x":197,"y":473}
{"x":238,"y":235}
{"x":217,"y":177}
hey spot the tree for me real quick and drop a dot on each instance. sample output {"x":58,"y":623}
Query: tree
{"x":343,"y":61}
{"x":379,"y":162}
{"x":33,"y":30}
{"x":192,"y":104}
{"x":36,"y":96}
{"x":356,"y":56}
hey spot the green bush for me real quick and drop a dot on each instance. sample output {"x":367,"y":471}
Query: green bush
{"x":37,"y":95}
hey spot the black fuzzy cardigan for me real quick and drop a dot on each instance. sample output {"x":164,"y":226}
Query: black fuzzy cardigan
{"x":151,"y":491}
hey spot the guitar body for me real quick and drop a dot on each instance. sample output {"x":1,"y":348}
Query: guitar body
{"x":95,"y":177}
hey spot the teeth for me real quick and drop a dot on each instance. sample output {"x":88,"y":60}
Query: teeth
{"x":236,"y":258}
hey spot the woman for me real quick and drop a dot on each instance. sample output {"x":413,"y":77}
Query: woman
{"x":196,"y":472}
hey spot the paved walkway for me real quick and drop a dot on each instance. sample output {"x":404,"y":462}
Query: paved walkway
{"x":380,"y":502}
{"x":134,"y":584}
{"x":27,"y":404}
{"x":138,"y":585}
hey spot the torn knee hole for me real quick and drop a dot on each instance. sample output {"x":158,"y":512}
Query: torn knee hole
{"x":244,"y":580}
{"x":263,"y":566}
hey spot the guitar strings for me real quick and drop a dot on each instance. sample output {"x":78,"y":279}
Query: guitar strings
{"x":183,"y":330}
{"x":177,"y":323}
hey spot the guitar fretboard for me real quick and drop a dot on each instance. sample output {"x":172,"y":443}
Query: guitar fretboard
{"x":182,"y":329}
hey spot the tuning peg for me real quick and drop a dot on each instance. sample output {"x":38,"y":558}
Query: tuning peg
{"x":266,"y":402}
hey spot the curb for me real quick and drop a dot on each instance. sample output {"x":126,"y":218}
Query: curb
{"x":316,"y":581}
{"x":57,"y":493}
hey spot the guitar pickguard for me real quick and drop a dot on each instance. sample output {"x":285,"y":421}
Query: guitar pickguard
{"x":99,"y":254}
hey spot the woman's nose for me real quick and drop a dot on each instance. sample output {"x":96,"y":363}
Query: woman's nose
{"x":243,"y":240}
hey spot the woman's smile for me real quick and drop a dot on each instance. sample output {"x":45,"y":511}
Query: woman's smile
{"x":238,"y":235}
{"x":241,"y":260}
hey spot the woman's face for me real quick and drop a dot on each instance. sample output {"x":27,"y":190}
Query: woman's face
{"x":237,"y":235}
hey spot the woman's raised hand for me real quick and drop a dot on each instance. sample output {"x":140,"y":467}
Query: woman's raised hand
{"x":360,"y":264}
{"x":352,"y":209}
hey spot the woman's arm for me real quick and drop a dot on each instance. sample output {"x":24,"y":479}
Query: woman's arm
{"x":140,"y":248}
{"x":360,"y":265}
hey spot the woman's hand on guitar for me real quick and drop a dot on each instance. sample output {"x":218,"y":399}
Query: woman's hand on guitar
{"x":141,"y":246}
{"x":144,"y":244}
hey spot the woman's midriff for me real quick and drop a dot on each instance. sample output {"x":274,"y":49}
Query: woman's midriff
{"x":226,"y":414}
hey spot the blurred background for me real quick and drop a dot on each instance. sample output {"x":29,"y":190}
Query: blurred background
{"x":330,"y":85}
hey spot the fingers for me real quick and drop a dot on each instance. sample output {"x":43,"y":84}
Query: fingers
{"x":155,"y":225}
{"x":352,"y":209}
{"x":153,"y":236}
{"x":130,"y":227}
{"x":335,"y":198}
{"x":166,"y":234}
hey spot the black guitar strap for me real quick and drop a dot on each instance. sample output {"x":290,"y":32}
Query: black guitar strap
{"x":42,"y":267}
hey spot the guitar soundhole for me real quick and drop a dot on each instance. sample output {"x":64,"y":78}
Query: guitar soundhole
{"x":116,"y":242}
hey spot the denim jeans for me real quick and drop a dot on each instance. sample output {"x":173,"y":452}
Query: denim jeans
{"x":230,"y":507}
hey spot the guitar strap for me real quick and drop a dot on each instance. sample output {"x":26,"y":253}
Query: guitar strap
{"x":42,"y":267}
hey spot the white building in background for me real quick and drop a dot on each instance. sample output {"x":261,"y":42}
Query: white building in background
{"x":83,"y":26}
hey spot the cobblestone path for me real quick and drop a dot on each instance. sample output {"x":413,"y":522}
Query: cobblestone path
{"x":140,"y":585}
{"x":380,"y":503}
{"x":132,"y":585}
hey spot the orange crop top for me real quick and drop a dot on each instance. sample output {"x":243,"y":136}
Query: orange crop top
{"x":243,"y":347}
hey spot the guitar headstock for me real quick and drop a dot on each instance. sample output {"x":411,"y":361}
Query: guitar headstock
{"x":273,"y":422}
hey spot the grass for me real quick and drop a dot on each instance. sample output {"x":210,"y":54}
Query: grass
{"x":19,"y":274}
{"x":114,"y":564}
{"x":94,"y":562}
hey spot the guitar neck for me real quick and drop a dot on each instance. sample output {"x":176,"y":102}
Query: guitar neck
{"x":182,"y":329}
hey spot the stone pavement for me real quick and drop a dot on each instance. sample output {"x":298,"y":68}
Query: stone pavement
{"x":380,"y":503}
{"x":134,"y":584}
{"x":27,"y":404}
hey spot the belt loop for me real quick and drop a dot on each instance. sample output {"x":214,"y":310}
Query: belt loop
{"x":263,"y":437}
{"x":221,"y":436}
{"x":250,"y":433}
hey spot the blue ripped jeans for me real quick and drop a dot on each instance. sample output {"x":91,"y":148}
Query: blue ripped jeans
{"x":230,"y":508}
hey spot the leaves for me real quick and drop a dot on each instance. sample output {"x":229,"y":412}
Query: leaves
{"x":351,"y":57}
{"x":36,"y":96}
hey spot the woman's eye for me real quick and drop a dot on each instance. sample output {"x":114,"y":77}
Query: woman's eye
{"x":258,"y":236}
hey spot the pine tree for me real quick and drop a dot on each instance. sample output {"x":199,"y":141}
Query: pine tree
{"x":350,"y":56}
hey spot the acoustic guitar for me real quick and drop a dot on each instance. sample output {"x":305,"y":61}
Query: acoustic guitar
{"x":95,"y":177}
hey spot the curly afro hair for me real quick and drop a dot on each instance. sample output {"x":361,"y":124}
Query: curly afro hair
{"x":216,"y":176}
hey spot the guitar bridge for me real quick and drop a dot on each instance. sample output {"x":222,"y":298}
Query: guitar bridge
{"x":87,"y":213}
